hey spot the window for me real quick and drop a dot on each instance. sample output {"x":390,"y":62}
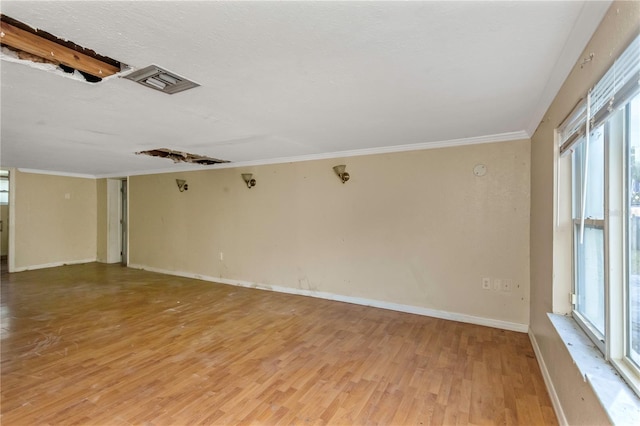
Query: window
{"x":589,"y":234}
{"x":633,"y":221}
{"x":602,"y":134}
{"x":4,"y":187}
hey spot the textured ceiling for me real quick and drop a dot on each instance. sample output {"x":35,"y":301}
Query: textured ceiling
{"x":287,"y":80}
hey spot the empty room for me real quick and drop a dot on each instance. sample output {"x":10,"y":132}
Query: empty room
{"x":318,"y":212}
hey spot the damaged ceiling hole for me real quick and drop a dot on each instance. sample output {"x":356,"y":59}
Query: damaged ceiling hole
{"x":39,"y":46}
{"x":181,"y":157}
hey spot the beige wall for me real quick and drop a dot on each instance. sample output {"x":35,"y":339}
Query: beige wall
{"x":55,"y":220}
{"x":549,"y":260}
{"x":415,"y":228}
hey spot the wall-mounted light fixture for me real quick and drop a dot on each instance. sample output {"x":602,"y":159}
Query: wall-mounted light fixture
{"x":248,"y":179}
{"x":344,"y":176}
{"x":182,"y":185}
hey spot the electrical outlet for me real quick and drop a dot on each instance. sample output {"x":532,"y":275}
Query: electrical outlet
{"x":486,"y":283}
{"x":497,"y":284}
{"x":507,"y":285}
{"x":221,"y":256}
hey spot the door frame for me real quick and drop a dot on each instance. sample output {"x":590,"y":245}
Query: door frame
{"x":117,"y":221}
{"x":124,"y":222}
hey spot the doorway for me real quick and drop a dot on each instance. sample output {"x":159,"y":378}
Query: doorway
{"x":117,"y":242}
{"x":124,"y":216}
{"x":4,"y":218}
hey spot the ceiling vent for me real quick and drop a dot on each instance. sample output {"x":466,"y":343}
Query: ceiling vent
{"x":160,"y":79}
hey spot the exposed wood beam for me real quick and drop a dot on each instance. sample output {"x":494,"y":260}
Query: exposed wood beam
{"x":23,"y":40}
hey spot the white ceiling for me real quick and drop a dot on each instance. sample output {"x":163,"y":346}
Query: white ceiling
{"x":288,"y":80}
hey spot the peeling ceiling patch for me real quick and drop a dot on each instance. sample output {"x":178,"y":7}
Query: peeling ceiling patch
{"x":181,"y":157}
{"x":41,"y":47}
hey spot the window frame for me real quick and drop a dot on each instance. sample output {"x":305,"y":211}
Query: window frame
{"x":587,"y":326}
{"x":598,"y":338}
{"x":615,"y":344}
{"x":4,"y":193}
{"x":621,"y":358}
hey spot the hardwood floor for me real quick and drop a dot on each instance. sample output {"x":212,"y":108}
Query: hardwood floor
{"x":103,"y":344}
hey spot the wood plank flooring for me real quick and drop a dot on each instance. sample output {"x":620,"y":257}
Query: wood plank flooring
{"x":104,"y":344}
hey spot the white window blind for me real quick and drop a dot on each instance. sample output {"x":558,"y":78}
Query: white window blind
{"x":615,"y":88}
{"x":573,"y":128}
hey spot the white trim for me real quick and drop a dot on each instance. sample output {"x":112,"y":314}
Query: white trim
{"x":475,"y":140}
{"x":56,"y":173}
{"x":585,"y":25}
{"x":502,"y":137}
{"x":628,"y":372}
{"x":114,"y":221}
{"x":553,"y":395}
{"x":54,"y":264}
{"x":418,"y":310}
{"x":128,"y":221}
{"x":11,"y":266}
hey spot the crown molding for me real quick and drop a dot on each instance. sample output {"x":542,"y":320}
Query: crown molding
{"x":476,"y":140}
{"x":56,"y":173}
{"x":501,"y":137}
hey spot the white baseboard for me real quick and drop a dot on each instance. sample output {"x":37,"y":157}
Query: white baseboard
{"x":53,"y":265}
{"x":453,"y":316}
{"x":555,"y":401}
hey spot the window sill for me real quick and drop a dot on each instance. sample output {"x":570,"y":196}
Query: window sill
{"x":618,"y":400}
